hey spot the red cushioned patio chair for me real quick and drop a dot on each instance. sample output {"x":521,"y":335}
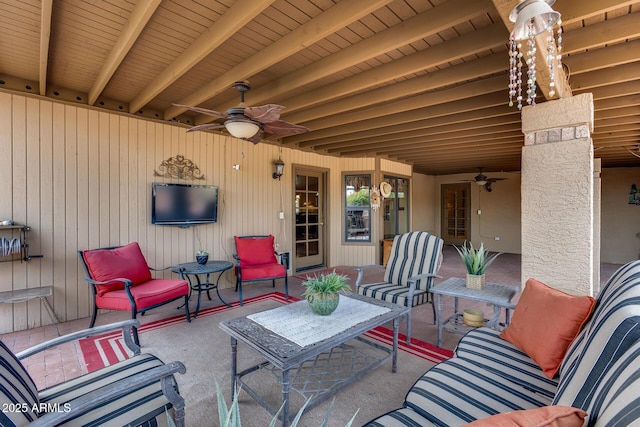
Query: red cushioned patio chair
{"x":257,"y":262}
{"x":121,"y":280}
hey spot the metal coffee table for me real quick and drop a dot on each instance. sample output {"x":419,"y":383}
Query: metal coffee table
{"x":319,"y":368}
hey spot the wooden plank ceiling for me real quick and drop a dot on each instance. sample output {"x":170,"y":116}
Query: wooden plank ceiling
{"x":419,"y":81}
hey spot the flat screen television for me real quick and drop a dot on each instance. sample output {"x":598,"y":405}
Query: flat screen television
{"x":183,"y":204}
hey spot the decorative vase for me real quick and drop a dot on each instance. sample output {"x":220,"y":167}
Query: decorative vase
{"x":475,"y":281}
{"x":473,"y":318}
{"x":202,"y":259}
{"x":323,"y":304}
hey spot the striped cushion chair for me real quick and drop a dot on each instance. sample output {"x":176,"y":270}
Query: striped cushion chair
{"x":139,"y":391}
{"x":612,"y":335}
{"x":413,"y":264}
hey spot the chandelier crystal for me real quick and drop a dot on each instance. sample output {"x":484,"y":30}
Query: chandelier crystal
{"x":531,"y":18}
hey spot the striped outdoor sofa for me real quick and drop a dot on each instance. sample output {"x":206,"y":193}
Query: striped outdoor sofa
{"x":139,"y":391}
{"x":412,"y":266}
{"x":600,"y":373}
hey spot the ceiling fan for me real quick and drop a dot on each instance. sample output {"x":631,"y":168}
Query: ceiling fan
{"x":635,"y":151}
{"x":248,"y":123}
{"x":483,"y":181}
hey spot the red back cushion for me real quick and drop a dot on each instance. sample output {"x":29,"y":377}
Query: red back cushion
{"x":125,"y":262}
{"x":255,"y":250}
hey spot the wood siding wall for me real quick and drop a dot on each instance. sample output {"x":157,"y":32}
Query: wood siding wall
{"x":81,"y":178}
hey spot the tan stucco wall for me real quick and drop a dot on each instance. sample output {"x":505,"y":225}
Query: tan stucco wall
{"x":620,"y":220}
{"x":500,"y":210}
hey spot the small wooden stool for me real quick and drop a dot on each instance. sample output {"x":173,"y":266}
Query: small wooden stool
{"x":21,"y":295}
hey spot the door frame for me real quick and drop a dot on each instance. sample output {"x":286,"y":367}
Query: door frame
{"x":324,"y":229}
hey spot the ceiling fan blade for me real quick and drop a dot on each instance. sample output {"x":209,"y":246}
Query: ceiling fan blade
{"x":203,"y":111}
{"x":264,"y":113}
{"x":495,"y":179}
{"x":255,"y":138}
{"x":206,"y":126}
{"x":281,"y":127}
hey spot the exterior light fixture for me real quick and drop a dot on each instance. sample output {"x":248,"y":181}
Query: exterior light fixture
{"x":531,"y":18}
{"x":279,"y":165}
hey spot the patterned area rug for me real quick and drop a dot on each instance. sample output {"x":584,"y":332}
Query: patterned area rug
{"x":103,"y":350}
{"x":205,"y":351}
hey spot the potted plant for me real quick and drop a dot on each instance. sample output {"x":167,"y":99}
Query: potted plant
{"x":477,"y":261}
{"x":202,"y":256}
{"x":323,"y":292}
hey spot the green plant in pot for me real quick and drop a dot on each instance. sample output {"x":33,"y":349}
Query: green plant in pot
{"x":477,"y":261}
{"x":202,"y":256}
{"x":323,"y":292}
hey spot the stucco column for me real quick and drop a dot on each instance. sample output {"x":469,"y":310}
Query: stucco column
{"x":558,"y":214}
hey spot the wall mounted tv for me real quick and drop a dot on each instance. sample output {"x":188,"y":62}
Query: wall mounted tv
{"x":183,"y":204}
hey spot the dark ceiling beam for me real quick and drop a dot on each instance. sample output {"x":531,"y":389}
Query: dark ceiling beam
{"x":46,"y":9}
{"x":471,"y":70}
{"x":481,"y":40}
{"x":237,"y":16}
{"x":360,"y":122}
{"x":604,"y":33}
{"x":403,"y":141}
{"x":136,"y":23}
{"x":328,"y":22}
{"x":431,"y":122}
{"x":466,"y":141}
{"x":421,"y":131}
{"x":426,"y":24}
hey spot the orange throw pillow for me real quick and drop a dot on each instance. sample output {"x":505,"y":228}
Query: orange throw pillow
{"x":545,"y":322}
{"x":551,"y":416}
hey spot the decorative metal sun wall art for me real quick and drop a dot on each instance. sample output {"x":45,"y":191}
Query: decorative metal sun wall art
{"x":178,"y":167}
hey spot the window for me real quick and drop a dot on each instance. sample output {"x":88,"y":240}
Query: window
{"x":357,"y":208}
{"x":396,"y":207}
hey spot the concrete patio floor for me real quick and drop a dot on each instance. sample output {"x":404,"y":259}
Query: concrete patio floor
{"x":66,"y":362}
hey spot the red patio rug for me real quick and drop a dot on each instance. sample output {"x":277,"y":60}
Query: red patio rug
{"x":106,"y":349}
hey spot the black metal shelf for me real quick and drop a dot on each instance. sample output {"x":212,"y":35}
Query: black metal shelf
{"x":24,"y":244}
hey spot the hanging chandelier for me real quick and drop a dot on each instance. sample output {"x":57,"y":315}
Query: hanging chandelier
{"x":531,"y":18}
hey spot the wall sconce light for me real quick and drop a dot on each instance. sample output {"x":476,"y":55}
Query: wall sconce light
{"x":279,"y":165}
{"x":532,"y":17}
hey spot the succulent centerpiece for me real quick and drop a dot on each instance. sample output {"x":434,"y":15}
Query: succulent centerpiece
{"x":323,"y":291}
{"x":477,"y":261}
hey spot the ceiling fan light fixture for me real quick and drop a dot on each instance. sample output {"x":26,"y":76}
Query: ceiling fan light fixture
{"x":242,"y":129}
{"x":481,"y":182}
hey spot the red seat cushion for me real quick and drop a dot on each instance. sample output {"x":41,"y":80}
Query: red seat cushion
{"x":125,"y":262}
{"x":147,"y":294}
{"x":255,"y":250}
{"x":265,"y":271}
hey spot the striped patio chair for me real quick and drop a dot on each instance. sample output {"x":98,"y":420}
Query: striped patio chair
{"x":413,"y":264}
{"x":140,"y":391}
